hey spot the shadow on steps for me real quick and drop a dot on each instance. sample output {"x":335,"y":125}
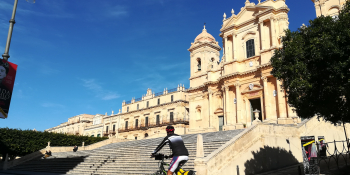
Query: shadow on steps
{"x":53,"y":165}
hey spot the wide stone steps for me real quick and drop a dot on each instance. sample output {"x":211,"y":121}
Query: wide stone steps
{"x":124,"y":158}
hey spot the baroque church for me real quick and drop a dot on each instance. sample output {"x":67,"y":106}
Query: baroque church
{"x":226,"y":92}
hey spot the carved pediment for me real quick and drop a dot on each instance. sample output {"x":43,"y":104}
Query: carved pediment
{"x":219,"y":110}
{"x":252,"y":87}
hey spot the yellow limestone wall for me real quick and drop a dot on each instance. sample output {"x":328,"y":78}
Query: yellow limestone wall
{"x":264,"y":147}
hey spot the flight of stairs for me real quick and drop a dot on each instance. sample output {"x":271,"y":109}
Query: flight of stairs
{"x":124,"y":158}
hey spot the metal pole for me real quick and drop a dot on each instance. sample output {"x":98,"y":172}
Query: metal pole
{"x":346,"y":137}
{"x":6,"y":55}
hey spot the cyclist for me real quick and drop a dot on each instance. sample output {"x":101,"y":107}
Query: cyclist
{"x":177,"y":146}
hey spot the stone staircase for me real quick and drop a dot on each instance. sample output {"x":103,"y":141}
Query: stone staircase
{"x":124,"y":158}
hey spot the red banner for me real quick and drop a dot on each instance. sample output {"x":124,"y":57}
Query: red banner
{"x":7,"y":80}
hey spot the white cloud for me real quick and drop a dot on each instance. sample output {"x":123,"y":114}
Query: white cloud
{"x":117,"y":11}
{"x":98,"y":90}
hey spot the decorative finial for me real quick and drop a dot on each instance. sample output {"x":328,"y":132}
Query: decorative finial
{"x":247,"y":2}
{"x":259,"y":1}
{"x":232,"y":12}
{"x":224,"y":16}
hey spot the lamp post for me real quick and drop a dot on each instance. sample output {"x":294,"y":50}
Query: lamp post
{"x":6,"y":55}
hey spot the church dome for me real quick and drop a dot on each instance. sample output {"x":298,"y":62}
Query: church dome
{"x":204,"y":36}
{"x":204,"y":39}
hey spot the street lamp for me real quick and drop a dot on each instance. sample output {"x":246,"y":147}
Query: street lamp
{"x":6,"y":55}
{"x":12,"y":22}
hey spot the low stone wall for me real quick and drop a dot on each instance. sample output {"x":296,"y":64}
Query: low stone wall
{"x":56,"y":149}
{"x":263,"y":147}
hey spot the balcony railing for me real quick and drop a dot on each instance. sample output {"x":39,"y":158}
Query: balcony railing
{"x":105,"y":133}
{"x":158,"y":94}
{"x":164,"y":122}
{"x":138,"y":99}
{"x":112,"y":132}
{"x":172,"y":90}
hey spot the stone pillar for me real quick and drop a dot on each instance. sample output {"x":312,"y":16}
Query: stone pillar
{"x":223,"y":89}
{"x":211,"y":128}
{"x":233,"y":47}
{"x":83,"y":144}
{"x":282,"y":109}
{"x":273,"y":35}
{"x":235,"y":44}
{"x":225,"y":49}
{"x":261,"y":25}
{"x":267,"y":101}
{"x":239,"y":102}
{"x":200,"y":149}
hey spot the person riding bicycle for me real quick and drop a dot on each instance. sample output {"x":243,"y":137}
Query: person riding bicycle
{"x":177,"y":146}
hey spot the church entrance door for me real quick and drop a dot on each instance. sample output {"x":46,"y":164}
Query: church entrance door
{"x":255,"y":104}
{"x":221,"y":122}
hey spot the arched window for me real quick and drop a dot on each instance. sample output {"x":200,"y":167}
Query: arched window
{"x":198,"y":113}
{"x":137,"y":106}
{"x":199,"y":64}
{"x":127,"y":109}
{"x":147,"y":104}
{"x":158,"y":101}
{"x":172,"y":98}
{"x":250,"y":48}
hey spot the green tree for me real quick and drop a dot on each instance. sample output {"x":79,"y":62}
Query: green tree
{"x":314,"y":67}
{"x":16,"y":142}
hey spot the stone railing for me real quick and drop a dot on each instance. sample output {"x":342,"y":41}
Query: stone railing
{"x":238,"y":150}
{"x":279,"y":144}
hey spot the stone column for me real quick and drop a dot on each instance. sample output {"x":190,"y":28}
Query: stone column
{"x":235,"y":44}
{"x":266,"y":99}
{"x":233,"y":47}
{"x":273,"y":32}
{"x":225,"y":49}
{"x":239,"y":102}
{"x":261,"y":25}
{"x":223,"y":89}
{"x":281,"y":104}
{"x":211,"y":127}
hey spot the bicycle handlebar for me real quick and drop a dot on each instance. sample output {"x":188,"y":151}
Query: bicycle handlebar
{"x":160,"y":156}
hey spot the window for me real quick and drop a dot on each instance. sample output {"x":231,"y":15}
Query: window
{"x":113,"y":127}
{"x":172,"y":98}
{"x":158,"y":101}
{"x":171,"y":117}
{"x":250,"y":48}
{"x":157,"y":120}
{"x":98,"y":135}
{"x":107,"y":129}
{"x":137,"y":106}
{"x":147,"y":104}
{"x":199,"y":64}
{"x":146,"y":121}
{"x":127,"y":109}
{"x":126,"y":124}
{"x":136,"y":123}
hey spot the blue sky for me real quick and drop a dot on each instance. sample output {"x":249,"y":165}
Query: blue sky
{"x":88,"y":56}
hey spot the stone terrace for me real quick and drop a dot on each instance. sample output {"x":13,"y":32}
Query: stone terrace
{"x":131,"y":157}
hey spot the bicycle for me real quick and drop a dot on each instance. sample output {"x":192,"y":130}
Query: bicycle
{"x":162,"y":171}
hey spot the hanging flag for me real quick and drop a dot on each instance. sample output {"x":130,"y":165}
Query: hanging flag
{"x":7,"y":80}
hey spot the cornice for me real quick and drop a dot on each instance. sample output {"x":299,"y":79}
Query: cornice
{"x":144,"y":109}
{"x":197,"y":46}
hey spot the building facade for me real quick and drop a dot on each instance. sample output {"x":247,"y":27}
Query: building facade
{"x":74,"y":126}
{"x":225,"y":93}
{"x":328,"y":7}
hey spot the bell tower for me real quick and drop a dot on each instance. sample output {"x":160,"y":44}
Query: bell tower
{"x":328,"y":7}
{"x":205,"y":57}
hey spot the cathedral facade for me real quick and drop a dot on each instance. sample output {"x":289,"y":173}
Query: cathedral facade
{"x":226,"y":92}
